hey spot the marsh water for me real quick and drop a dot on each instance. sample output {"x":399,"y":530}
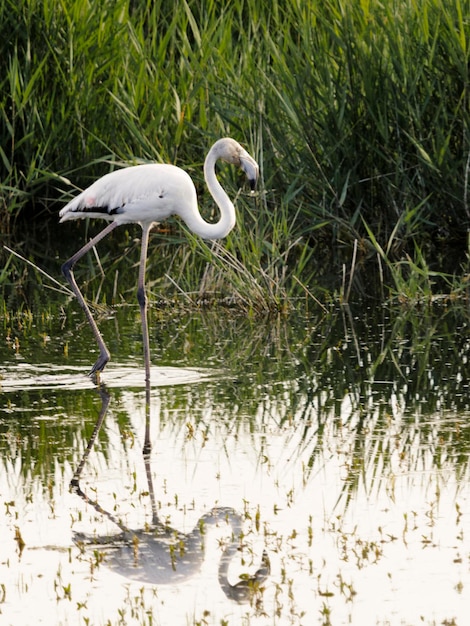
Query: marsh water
{"x":309,"y":469}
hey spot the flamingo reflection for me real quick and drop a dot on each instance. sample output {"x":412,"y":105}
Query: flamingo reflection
{"x":159,"y":554}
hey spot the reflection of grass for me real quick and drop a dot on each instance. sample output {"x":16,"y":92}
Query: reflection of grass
{"x":43,"y":428}
{"x":377,"y":397}
{"x":389,"y":386}
{"x":394,"y":396}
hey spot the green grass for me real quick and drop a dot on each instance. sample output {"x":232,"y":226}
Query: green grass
{"x":357,"y":112}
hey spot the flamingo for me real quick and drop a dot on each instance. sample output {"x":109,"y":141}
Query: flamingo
{"x":160,"y":555}
{"x":146,"y":195}
{"x":157,"y":553}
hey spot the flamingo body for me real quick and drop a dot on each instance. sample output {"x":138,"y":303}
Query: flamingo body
{"x":146,"y":195}
{"x":138,"y":194}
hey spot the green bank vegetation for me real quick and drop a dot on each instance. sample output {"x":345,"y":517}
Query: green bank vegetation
{"x":358,"y":114}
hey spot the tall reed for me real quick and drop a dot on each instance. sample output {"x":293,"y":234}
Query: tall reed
{"x":357,"y":112}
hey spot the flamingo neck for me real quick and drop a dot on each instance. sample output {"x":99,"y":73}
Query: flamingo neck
{"x":227,"y":211}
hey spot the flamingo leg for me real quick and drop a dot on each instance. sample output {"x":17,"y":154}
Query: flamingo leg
{"x":105,"y":397}
{"x":142,"y":299}
{"x":67,"y":271}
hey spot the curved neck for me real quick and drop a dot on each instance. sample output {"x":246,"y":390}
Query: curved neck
{"x":220,"y":229}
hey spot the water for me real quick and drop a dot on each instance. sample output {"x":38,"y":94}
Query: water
{"x":340,"y":444}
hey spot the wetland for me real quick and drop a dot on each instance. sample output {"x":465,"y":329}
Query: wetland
{"x":308,"y":414}
{"x":303,"y":470}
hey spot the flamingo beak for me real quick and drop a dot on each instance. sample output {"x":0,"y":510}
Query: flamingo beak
{"x":251,"y":169}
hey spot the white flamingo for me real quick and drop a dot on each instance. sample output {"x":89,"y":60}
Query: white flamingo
{"x":161,"y":555}
{"x":147,"y":195}
{"x":157,"y":553}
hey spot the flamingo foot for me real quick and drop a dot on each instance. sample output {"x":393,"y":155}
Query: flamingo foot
{"x":99,"y":366}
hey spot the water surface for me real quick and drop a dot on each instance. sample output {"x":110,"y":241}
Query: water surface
{"x":340,"y":444}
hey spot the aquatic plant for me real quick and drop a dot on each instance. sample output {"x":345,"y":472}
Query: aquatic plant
{"x":357,"y":112}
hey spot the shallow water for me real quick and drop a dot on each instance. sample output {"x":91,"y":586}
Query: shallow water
{"x":340,"y":444}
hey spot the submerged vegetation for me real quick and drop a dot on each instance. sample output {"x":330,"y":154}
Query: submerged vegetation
{"x":358,"y":114}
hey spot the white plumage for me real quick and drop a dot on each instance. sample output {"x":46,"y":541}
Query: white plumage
{"x":147,"y":195}
{"x":141,"y":193}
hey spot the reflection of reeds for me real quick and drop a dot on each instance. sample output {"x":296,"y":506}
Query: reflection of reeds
{"x":386,"y":390}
